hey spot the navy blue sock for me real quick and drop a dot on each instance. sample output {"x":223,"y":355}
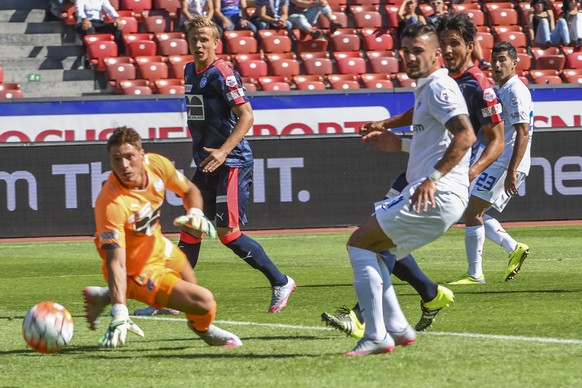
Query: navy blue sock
{"x":253,"y":253}
{"x":192,"y":251}
{"x":408,"y":270}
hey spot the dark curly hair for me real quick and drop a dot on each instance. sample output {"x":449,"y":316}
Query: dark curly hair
{"x":460,"y":22}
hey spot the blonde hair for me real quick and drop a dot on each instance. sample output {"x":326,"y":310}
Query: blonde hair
{"x":200,"y":21}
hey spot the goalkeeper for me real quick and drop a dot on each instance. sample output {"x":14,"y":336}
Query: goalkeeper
{"x":138,"y":261}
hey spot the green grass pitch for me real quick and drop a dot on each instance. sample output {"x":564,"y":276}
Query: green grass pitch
{"x":522,"y":333}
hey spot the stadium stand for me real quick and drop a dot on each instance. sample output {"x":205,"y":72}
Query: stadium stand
{"x":365,"y":44}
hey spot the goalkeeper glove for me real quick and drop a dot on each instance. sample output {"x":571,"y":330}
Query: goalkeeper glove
{"x":120,"y":325}
{"x":196,"y":220}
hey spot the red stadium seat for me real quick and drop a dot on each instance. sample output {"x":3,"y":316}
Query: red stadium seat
{"x":387,"y":65}
{"x":523,"y":62}
{"x":140,"y":48}
{"x":313,"y":54}
{"x":311,"y":85}
{"x":241,"y":45}
{"x":486,"y":40}
{"x":345,"y":85}
{"x":497,"y":30}
{"x":69,"y":13}
{"x":10,"y":86}
{"x":276,"y":44}
{"x":551,"y":62}
{"x":137,"y":36}
{"x":539,"y":52}
{"x":392,"y":15}
{"x":11,"y":93}
{"x":168,"y":83}
{"x":238,"y":58}
{"x":572,"y":76}
{"x":338,"y":5}
{"x":297,"y":79}
{"x":404,"y":81}
{"x":254,"y":68}
{"x":270,"y":57}
{"x":115,"y":72}
{"x":173,"y":47}
{"x":476,"y":16}
{"x":152,"y":71}
{"x":150,"y":58}
{"x":337,"y":17}
{"x":376,"y":80}
{"x":491,"y":6}
{"x":517,"y":39}
{"x":130,"y":24}
{"x":88,"y":39}
{"x":547,"y":79}
{"x":462,"y":7}
{"x":312,"y":45}
{"x":137,"y":90}
{"x":177,"y":63}
{"x":157,"y":22}
{"x":320,"y":66}
{"x":337,"y":55}
{"x":345,"y":42}
{"x":503,"y":17}
{"x":275,"y":86}
{"x":171,"y":6}
{"x":159,"y":36}
{"x":285,"y":67}
{"x":377,"y":39}
{"x":140,"y":8}
{"x":367,"y":19}
{"x":351,"y":66}
{"x":574,"y":60}
{"x":97,"y":51}
{"x":341,"y":77}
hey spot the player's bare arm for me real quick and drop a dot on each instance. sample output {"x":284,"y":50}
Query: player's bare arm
{"x":246,"y":118}
{"x":117,"y":278}
{"x":400,"y":120}
{"x":464,"y":136}
{"x":494,"y":133}
{"x":519,"y":148}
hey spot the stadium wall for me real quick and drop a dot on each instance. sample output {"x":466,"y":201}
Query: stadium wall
{"x":49,"y":189}
{"x":281,"y":114}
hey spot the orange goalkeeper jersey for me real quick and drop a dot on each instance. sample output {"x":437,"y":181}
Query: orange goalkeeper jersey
{"x":130,"y":218}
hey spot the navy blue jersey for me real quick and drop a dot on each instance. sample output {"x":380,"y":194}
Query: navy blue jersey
{"x":210,"y":97}
{"x":482,"y":103}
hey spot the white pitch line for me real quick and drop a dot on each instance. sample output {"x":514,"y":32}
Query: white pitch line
{"x":435,"y":333}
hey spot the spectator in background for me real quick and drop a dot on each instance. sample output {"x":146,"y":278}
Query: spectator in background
{"x":541,"y":23}
{"x":90,"y":20}
{"x":191,"y":8}
{"x":53,"y":12}
{"x":304,"y":14}
{"x":408,"y":14}
{"x":232,"y":15}
{"x":272,"y":14}
{"x":569,"y":24}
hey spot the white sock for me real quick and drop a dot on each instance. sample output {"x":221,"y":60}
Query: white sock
{"x":495,"y":232}
{"x":474,"y":241}
{"x":368,"y":287}
{"x":394,"y":318}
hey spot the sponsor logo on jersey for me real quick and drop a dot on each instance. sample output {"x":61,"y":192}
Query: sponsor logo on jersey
{"x":491,"y":110}
{"x":194,"y":107}
{"x":417,"y":127}
{"x":234,"y":94}
{"x":445,"y":95}
{"x":514,"y":102}
{"x":230,"y":81}
{"x":489,"y":94}
{"x":109,"y":235}
{"x":159,"y":185}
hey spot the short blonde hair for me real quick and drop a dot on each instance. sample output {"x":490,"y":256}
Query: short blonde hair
{"x":200,"y":21}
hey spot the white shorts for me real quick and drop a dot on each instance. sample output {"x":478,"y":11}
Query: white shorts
{"x":490,"y":186}
{"x":410,"y":230}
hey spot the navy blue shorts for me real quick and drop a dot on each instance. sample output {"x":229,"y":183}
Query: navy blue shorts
{"x":226,"y":193}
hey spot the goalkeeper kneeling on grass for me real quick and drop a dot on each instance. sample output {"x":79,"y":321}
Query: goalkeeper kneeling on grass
{"x":138,"y":261}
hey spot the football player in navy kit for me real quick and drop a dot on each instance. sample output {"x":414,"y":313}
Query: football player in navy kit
{"x":219,"y":115}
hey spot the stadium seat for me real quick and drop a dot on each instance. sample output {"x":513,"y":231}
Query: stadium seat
{"x":276,"y":44}
{"x":130,"y":24}
{"x":345,"y":42}
{"x":254,"y":68}
{"x":241,"y":45}
{"x":367,"y":19}
{"x":311,"y":45}
{"x":152,"y":71}
{"x":171,"y":6}
{"x":376,"y":80}
{"x":476,"y":16}
{"x":69,"y":13}
{"x":313,"y":54}
{"x":492,"y":6}
{"x":572,"y":76}
{"x":88,"y":39}
{"x":116,"y":72}
{"x":297,"y":79}
{"x":498,"y":30}
{"x":249,"y":87}
{"x":404,"y":81}
{"x":345,"y":85}
{"x":275,"y":86}
{"x":238,"y":58}
{"x":338,"y":5}
{"x":132,"y":37}
{"x":545,"y":76}
{"x":341,"y":77}
{"x":517,"y":39}
{"x":137,"y":90}
{"x":157,"y":22}
{"x":10,"y":86}
{"x":387,"y":65}
{"x":555,"y":62}
{"x":164,"y":86}
{"x":159,"y":36}
{"x":377,"y":39}
{"x":392,"y":15}
{"x":150,"y":58}
{"x":97,"y":51}
{"x":338,"y":17}
{"x":177,"y":63}
{"x":140,"y":8}
{"x":270,"y":57}
{"x":173,"y":47}
{"x":311,"y":85}
{"x":285,"y":67}
{"x":351,"y":66}
{"x":486,"y":40}
{"x":125,"y":85}
{"x":463,"y":7}
{"x":503,"y":17}
{"x":318,"y":66}
{"x":337,"y":55}
{"x":376,"y":54}
{"x":11,"y":93}
{"x":574,"y":60}
{"x":140,"y":48}
{"x":523,"y":63}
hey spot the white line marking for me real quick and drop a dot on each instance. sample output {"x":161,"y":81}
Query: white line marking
{"x":435,"y":333}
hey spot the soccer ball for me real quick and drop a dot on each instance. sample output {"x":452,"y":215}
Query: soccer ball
{"x":47,"y":327}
